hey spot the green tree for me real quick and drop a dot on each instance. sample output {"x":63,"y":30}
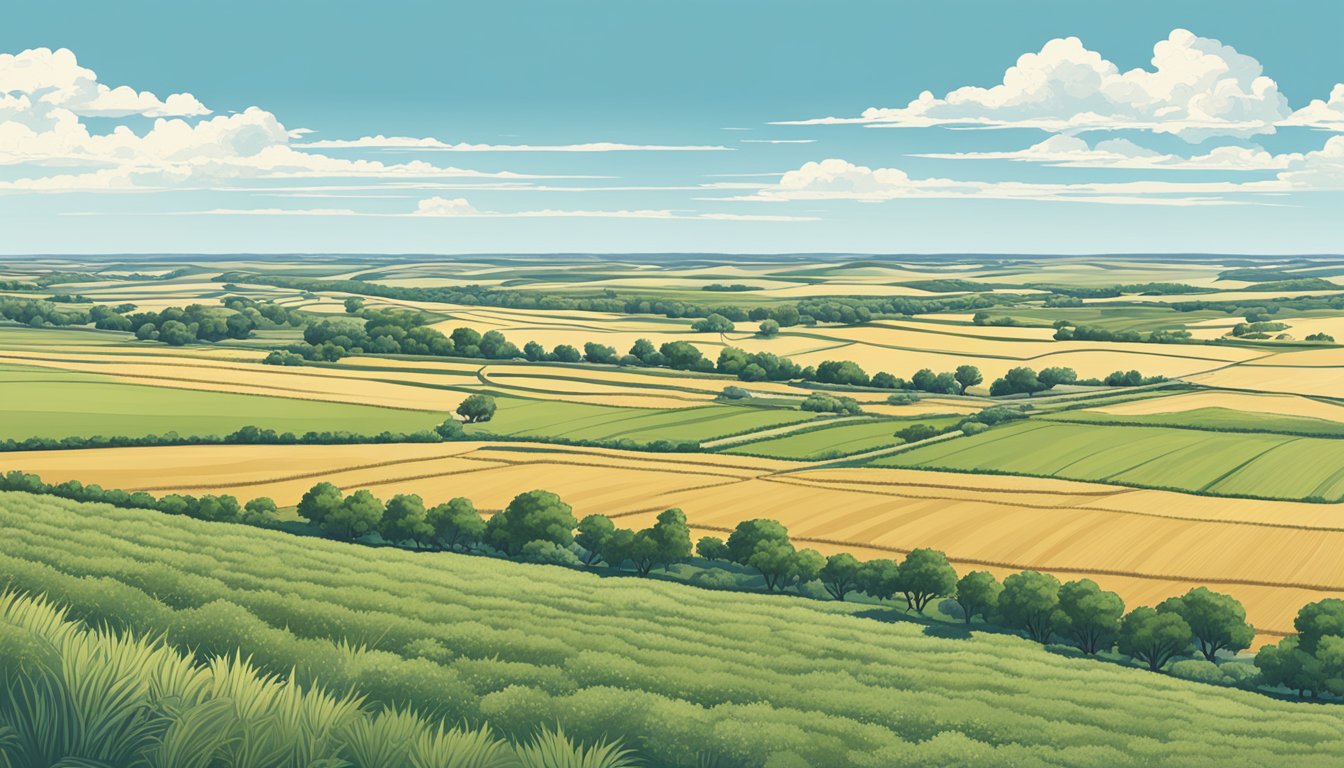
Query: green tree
{"x":711,"y":548}
{"x":715,"y":323}
{"x":924,"y":575}
{"x":1217,"y":620}
{"x":807,"y":565}
{"x":456,"y":524}
{"x":967,"y":376}
{"x":681,"y":355}
{"x":673,"y":537}
{"x":1030,"y":602}
{"x":531,"y":516}
{"x":593,"y":533}
{"x":477,"y":408}
{"x":1052,"y":377}
{"x":599,"y":353}
{"x":769,"y":328}
{"x":359,"y":515}
{"x":750,"y":534}
{"x":1017,"y":381}
{"x":566,"y":353}
{"x":405,"y":520}
{"x":261,"y":511}
{"x":353,"y":304}
{"x":978,"y":592}
{"x":880,"y":579}
{"x":776,"y":561}
{"x":534,"y":351}
{"x":1089,"y":616}
{"x":1317,"y":620}
{"x":840,"y":574}
{"x":1287,"y":665}
{"x":319,"y":503}
{"x":1153,"y":638}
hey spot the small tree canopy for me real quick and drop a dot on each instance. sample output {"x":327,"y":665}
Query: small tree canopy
{"x":1153,"y":638}
{"x":477,"y":408}
{"x":531,"y":516}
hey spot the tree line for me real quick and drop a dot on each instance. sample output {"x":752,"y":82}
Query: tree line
{"x":1190,"y":635}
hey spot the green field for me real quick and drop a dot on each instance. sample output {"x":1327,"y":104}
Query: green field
{"x":1111,"y":317}
{"x":686,"y":676}
{"x":518,"y":417}
{"x":1263,"y":465}
{"x":1213,"y":419}
{"x":42,"y":402}
{"x":839,"y":440}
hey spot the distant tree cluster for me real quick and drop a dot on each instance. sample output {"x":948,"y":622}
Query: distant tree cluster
{"x":1069,"y":332}
{"x":1027,"y":381}
{"x":819,"y":402}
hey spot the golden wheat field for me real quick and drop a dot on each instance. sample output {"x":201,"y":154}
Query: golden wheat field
{"x":1147,"y":545}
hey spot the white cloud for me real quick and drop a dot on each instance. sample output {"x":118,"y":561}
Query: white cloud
{"x":1319,"y":170}
{"x":1072,"y":152}
{"x":1326,"y":114}
{"x":50,"y":81}
{"x":410,"y":143}
{"x":1197,"y":88}
{"x":778,"y":141}
{"x":836,"y":179}
{"x":455,"y":208}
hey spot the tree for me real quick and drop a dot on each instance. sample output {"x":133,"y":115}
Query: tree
{"x":319,"y":503}
{"x":1088,"y":615}
{"x":978,"y":592}
{"x":353,"y":304}
{"x":1218,"y":621}
{"x":531,"y":516}
{"x":924,"y":380}
{"x":1051,"y":377}
{"x":534,"y":351}
{"x":769,"y":328}
{"x":405,"y":520}
{"x":565,"y":353}
{"x":841,"y":372}
{"x":1317,"y":620}
{"x":466,"y":342}
{"x":1030,"y":602}
{"x":711,"y":548}
{"x":599,"y":353}
{"x":879,"y":579}
{"x":681,"y":355}
{"x":967,"y":376}
{"x":715,"y":323}
{"x":593,"y":533}
{"x":924,"y":575}
{"x":776,"y":562}
{"x":667,"y":542}
{"x":645,"y":351}
{"x":1287,"y":665}
{"x":807,"y":565}
{"x":456,"y":524}
{"x":840,"y":574}
{"x":477,"y":408}
{"x":620,"y":546}
{"x":1152,"y":637}
{"x":1017,"y":381}
{"x":260,"y":511}
{"x":917,"y":432}
{"x":358,"y":515}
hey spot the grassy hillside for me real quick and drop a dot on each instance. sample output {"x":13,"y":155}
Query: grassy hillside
{"x":684,"y":675}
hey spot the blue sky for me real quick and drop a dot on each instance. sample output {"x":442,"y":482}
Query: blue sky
{"x":253,"y":127}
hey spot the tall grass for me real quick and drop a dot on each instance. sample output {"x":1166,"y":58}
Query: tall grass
{"x":73,"y":696}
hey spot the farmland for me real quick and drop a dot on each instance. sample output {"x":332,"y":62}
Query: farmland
{"x":532,"y":643}
{"x":1161,"y":464}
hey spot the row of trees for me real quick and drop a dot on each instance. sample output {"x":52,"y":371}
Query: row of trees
{"x":1027,"y":381}
{"x":538,"y":526}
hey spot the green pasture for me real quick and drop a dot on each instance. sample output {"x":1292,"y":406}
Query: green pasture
{"x":46,"y":402}
{"x":1217,"y":463}
{"x":1214,"y":419}
{"x":835,"y":441}
{"x":519,"y":417}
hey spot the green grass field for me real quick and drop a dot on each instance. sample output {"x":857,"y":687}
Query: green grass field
{"x":582,"y":421}
{"x":839,"y":440}
{"x":1212,"y":419}
{"x":42,"y":402}
{"x":686,"y":676}
{"x":1264,"y":465}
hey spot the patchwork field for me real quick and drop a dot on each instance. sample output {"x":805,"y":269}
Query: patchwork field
{"x":1146,"y":545}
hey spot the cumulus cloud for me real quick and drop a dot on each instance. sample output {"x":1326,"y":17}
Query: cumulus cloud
{"x":410,"y":143}
{"x":1319,"y":170}
{"x":836,"y":179}
{"x":1325,"y":114}
{"x":1197,"y":88}
{"x":443,"y":206}
{"x":44,"y":82}
{"x":1064,"y":151}
{"x":46,"y":96}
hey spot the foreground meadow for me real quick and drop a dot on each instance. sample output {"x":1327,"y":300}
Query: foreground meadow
{"x":477,"y":640}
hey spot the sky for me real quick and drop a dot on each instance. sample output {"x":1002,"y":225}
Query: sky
{"x":752,"y":126}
